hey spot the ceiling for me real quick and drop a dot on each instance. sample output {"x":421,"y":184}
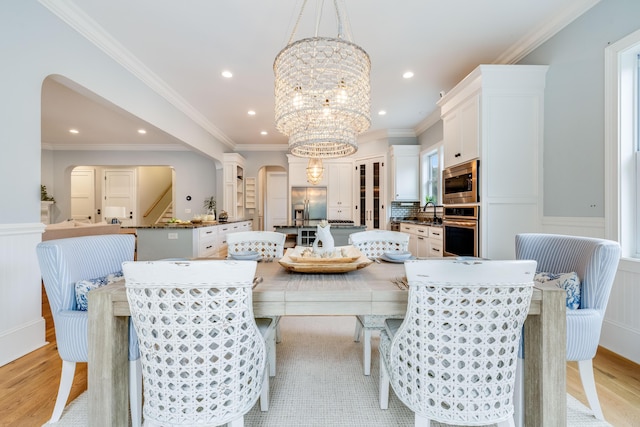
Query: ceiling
{"x":182,"y":47}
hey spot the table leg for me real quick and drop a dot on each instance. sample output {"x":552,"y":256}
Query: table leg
{"x":545,"y":368}
{"x":108,"y":368}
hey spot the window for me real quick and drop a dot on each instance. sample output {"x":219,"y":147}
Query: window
{"x":430,"y":173}
{"x":622,"y":147}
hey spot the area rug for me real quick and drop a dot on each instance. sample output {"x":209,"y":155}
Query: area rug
{"x":319,"y":382}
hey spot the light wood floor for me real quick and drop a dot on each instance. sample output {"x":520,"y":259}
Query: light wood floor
{"x":29,"y":385}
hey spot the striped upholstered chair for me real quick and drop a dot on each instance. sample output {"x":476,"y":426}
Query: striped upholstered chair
{"x":373,"y":244}
{"x":595,"y":261}
{"x":63,"y":263}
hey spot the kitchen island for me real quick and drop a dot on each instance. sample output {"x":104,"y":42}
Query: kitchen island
{"x":185,"y":240}
{"x":306,"y":231}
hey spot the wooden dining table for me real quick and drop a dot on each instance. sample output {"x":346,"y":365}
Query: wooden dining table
{"x":370,"y":290}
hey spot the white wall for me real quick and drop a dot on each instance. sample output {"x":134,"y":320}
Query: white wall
{"x":35,"y":45}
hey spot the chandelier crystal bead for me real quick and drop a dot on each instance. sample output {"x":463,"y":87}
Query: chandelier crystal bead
{"x":322,"y":96}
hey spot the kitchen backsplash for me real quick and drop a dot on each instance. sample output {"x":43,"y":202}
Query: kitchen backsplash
{"x":406,"y":210}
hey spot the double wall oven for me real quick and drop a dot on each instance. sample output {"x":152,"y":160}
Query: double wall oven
{"x":461,"y":210}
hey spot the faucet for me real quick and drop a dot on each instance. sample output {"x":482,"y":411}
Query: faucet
{"x":435,"y":218}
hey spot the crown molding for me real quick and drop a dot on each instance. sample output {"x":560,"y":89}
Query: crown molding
{"x":114,"y":147}
{"x":551,"y":27}
{"x":428,"y":121}
{"x":68,"y":12}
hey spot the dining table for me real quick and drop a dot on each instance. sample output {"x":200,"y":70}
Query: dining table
{"x":373,"y":289}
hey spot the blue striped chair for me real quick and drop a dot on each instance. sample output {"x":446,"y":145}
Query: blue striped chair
{"x":596,"y":262}
{"x":64,"y":262}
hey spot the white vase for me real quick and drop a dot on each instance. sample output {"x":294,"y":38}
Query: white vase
{"x":323,"y":234}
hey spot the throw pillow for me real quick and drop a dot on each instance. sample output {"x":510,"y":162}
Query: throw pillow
{"x":84,"y":286}
{"x":570,"y":282}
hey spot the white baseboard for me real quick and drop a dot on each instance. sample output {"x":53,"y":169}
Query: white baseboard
{"x":21,"y":340}
{"x":621,"y":340}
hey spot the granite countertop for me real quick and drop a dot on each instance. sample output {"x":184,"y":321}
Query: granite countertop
{"x":418,"y":222}
{"x":183,"y":225}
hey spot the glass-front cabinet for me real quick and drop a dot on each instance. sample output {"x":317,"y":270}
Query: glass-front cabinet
{"x":370,"y":207}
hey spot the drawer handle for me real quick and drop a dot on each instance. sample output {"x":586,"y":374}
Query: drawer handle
{"x":209,"y":247}
{"x":436,"y":250}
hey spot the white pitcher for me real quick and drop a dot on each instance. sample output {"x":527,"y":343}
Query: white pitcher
{"x":323,"y":234}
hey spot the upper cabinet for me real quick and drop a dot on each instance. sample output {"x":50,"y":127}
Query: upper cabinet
{"x":462,"y":131}
{"x":233,"y":169}
{"x":405,"y":172}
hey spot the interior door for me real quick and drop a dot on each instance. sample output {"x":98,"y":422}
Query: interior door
{"x":83,"y":201}
{"x":276,"y":200}
{"x":120,"y":190}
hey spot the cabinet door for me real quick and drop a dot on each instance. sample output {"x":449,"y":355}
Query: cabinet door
{"x":369,"y":207}
{"x":461,"y":130}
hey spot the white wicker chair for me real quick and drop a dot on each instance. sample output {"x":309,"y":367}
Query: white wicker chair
{"x":453,"y":358}
{"x":373,"y":244}
{"x":203,"y":357}
{"x":270,"y":245}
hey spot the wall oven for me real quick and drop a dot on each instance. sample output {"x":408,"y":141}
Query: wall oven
{"x":460,"y":184}
{"x":460,"y":231}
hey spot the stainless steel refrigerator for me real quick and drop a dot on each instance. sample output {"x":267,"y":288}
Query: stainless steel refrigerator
{"x":308,"y":202}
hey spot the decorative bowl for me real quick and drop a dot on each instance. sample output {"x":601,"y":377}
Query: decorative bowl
{"x":398,"y":255}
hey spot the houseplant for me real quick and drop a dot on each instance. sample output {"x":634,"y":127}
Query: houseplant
{"x":210,"y":206}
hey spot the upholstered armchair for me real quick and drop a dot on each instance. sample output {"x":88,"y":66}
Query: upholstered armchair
{"x":64,"y":263}
{"x":453,"y":358}
{"x":373,"y":244}
{"x":203,"y":356}
{"x":595,"y":261}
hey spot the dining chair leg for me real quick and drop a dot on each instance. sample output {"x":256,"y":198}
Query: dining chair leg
{"x":66,"y":380}
{"x":506,"y":423}
{"x":135,"y":392}
{"x":384,"y":386}
{"x":366,"y":348}
{"x":420,"y":421}
{"x":518,"y":394}
{"x":588,"y":383}
{"x":264,"y":393}
{"x":356,"y":335}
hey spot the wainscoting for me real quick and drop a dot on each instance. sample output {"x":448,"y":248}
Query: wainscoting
{"x":22,"y":328}
{"x":621,"y":327}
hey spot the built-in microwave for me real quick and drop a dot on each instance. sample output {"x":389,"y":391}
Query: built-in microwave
{"x":460,"y":184}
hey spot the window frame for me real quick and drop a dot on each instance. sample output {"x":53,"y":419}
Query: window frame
{"x":622,"y":160}
{"x":425,"y":171}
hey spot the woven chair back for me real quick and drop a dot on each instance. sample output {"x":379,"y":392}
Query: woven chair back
{"x":453,"y":359}
{"x":375,"y":243}
{"x":203,"y":357}
{"x":269,"y":244}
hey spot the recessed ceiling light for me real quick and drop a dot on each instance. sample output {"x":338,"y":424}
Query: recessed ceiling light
{"x":382,"y":113}
{"x":264,"y":132}
{"x":73,"y":131}
{"x":408,"y":75}
{"x":251,"y":113}
{"x":142,"y":131}
{"x":227,"y":74}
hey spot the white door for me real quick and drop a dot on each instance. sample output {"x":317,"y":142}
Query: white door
{"x":120,"y":190}
{"x":276,"y":200}
{"x":83,"y":202}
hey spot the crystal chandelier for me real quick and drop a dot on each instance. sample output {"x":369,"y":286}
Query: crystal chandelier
{"x":322,"y":94}
{"x":314,"y":170}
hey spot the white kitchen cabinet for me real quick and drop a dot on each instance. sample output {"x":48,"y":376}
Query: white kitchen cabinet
{"x":370,"y":182}
{"x":233,"y":197}
{"x":461,"y":132}
{"x":424,"y":241}
{"x":405,"y":172}
{"x":506,"y":104}
{"x":340,"y":190}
